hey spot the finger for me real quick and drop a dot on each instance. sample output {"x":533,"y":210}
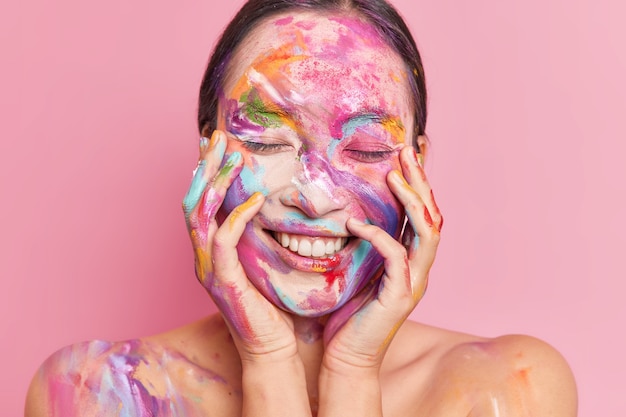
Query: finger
{"x":415,"y":175}
{"x":396,"y":281}
{"x":413,"y":204}
{"x":227,"y":237}
{"x":214,"y":195}
{"x":202,"y":221}
{"x":211,"y":156}
{"x":424,"y":247}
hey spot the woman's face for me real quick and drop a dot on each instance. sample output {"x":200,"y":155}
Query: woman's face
{"x":319,"y":108}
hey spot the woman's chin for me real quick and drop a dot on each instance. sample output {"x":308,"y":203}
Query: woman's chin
{"x":316,"y":303}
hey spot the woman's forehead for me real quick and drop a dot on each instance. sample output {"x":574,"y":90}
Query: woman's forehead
{"x":282,"y":42}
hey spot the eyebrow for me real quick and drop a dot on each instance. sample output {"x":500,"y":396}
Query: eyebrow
{"x":265,"y":113}
{"x":348,"y":125}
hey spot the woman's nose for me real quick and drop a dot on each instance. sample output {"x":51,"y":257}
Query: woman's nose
{"x":315,"y":191}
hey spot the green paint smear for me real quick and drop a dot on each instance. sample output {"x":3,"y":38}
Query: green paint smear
{"x":228,"y":167}
{"x":258,"y":112}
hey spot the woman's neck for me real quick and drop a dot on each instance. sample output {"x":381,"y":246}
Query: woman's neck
{"x":310,"y":338}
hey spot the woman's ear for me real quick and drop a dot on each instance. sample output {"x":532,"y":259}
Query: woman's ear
{"x":422,"y":144}
{"x":205,"y":131}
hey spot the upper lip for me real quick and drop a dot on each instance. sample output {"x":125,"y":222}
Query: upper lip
{"x":309,"y":233}
{"x":304,"y":229}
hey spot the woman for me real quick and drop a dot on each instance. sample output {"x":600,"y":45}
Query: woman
{"x":316,"y":115}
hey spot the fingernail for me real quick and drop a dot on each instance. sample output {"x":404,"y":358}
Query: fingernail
{"x":215,"y":137}
{"x":256,"y":197}
{"x":420,"y":160}
{"x":204,"y":144}
{"x":355,"y":222}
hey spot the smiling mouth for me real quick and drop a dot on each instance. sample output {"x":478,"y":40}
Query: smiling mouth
{"x":311,"y":247}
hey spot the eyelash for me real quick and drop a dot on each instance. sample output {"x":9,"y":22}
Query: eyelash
{"x":370,"y":156}
{"x":263,"y":148}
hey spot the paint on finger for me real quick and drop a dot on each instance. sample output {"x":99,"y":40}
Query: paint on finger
{"x":232,"y":163}
{"x":428,"y":218}
{"x":418,"y":287}
{"x":203,"y":265}
{"x":440,"y":223}
{"x":197,"y":187}
{"x":239,"y":210}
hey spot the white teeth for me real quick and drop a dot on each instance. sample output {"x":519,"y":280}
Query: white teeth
{"x":330,"y":248}
{"x":316,"y":247}
{"x":319,"y":249}
{"x":304,"y":248}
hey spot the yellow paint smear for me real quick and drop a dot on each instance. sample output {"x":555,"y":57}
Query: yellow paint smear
{"x":234,"y":216}
{"x":390,"y":337}
{"x":395,"y":128}
{"x":203,"y":264}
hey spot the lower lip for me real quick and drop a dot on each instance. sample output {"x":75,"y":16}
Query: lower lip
{"x":303,"y":263}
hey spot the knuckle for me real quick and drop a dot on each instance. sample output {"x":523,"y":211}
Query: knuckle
{"x":403,"y":257}
{"x":220,"y":240}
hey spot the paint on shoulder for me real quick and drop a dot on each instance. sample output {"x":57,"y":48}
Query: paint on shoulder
{"x":507,"y":355}
{"x":134,"y":377}
{"x":504,"y":375}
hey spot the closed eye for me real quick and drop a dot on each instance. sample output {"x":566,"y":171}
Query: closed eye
{"x":369,"y":156}
{"x":262,"y":148}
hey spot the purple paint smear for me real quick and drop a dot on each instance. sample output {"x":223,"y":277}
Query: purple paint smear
{"x":101,"y":377}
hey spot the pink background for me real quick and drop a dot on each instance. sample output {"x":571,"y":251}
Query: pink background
{"x":527,"y":122}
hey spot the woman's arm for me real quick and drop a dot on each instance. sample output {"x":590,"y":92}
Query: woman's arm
{"x":358,"y":335}
{"x":273,"y":376}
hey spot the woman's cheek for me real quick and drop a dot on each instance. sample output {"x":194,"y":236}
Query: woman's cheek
{"x":381,"y":206}
{"x":387,"y":213}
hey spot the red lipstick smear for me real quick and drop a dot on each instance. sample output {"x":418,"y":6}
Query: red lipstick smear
{"x":332,"y":276}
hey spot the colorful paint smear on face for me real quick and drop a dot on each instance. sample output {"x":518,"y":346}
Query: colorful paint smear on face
{"x":319,"y":108}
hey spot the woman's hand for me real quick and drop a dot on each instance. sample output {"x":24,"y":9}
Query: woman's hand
{"x":358,"y":335}
{"x":260,"y":331}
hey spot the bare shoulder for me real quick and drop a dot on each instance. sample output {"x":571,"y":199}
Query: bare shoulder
{"x":159,"y":375}
{"x":64,"y":375}
{"x":518,"y":374}
{"x":511,"y":375}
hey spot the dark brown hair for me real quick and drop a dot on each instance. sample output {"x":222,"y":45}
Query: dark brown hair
{"x":381,"y":15}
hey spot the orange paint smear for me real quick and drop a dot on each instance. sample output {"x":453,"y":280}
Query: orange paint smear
{"x":204,"y":266}
{"x":394,"y":77}
{"x":523,"y":376}
{"x":274,"y":62}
